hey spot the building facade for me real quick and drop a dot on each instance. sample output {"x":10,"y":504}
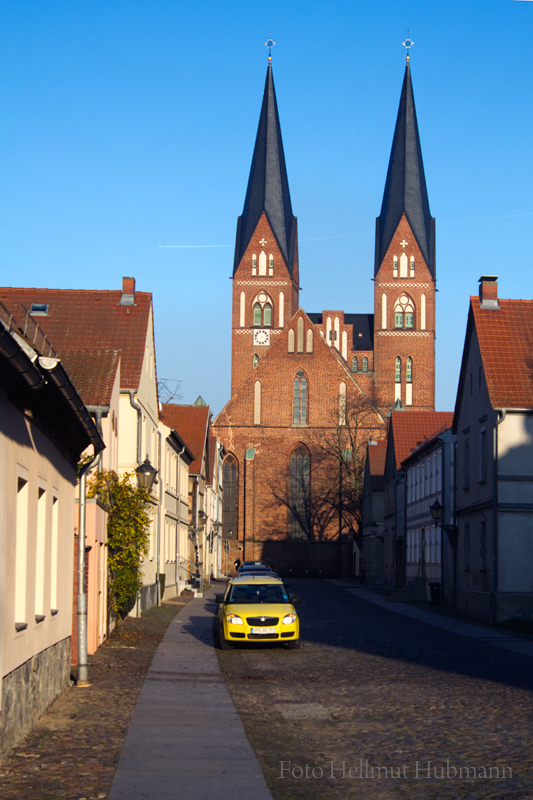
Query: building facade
{"x":309,"y":389}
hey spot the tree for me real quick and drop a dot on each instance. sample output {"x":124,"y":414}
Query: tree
{"x":128,"y":522}
{"x":168,"y":390}
{"x":322,"y":491}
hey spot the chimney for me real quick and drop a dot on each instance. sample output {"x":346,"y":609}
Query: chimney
{"x":128,"y":292}
{"x":488,"y":291}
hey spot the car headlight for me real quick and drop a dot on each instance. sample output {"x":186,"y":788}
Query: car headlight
{"x":234,"y":619}
{"x":289,"y":618}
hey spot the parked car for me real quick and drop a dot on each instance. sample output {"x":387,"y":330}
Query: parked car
{"x":257,"y":608}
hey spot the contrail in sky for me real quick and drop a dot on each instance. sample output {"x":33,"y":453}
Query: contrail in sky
{"x":365,"y":233}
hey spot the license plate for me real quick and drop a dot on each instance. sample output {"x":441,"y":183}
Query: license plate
{"x":263,"y":630}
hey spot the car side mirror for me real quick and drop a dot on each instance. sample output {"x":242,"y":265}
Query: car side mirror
{"x":294,"y":598}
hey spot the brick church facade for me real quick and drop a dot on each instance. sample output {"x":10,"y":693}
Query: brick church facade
{"x":308,"y":390}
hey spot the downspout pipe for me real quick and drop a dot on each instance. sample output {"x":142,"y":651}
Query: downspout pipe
{"x":134,"y":404}
{"x":159,"y":508}
{"x":179,"y":517}
{"x":494,"y":590}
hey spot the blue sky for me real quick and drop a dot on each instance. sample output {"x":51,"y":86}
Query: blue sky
{"x":130,"y":125}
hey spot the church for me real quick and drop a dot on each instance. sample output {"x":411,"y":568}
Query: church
{"x":310,"y":389}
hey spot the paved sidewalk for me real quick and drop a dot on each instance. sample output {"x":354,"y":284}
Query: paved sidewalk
{"x":186,"y":739}
{"x":471,"y":630}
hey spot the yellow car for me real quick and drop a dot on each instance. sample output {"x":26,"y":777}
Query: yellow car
{"x":256,"y":608}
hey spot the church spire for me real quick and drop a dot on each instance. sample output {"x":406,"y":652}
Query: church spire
{"x":405,"y":187}
{"x":268,"y":185}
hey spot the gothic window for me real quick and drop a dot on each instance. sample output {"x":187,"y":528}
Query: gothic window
{"x":257,"y":403}
{"x":309,"y":341}
{"x":281,"y":310}
{"x":229,"y":503}
{"x":404,"y":312}
{"x":254,"y":264}
{"x":342,"y":403}
{"x":300,"y":335}
{"x":412,"y":267}
{"x":365,"y":364}
{"x":403,"y":266}
{"x":398,"y":370}
{"x":299,"y":494}
{"x":262,"y":263}
{"x":255,"y":360}
{"x":300,"y":399}
{"x":409,"y":370}
{"x":291,"y":340}
{"x":271,"y":264}
{"x":262,"y":310}
{"x":354,"y":364}
{"x":395,"y":267}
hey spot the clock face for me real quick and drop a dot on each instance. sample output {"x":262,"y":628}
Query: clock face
{"x":262,"y":337}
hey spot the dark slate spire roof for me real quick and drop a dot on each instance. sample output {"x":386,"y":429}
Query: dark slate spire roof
{"x":268,"y":186}
{"x":405,"y":188}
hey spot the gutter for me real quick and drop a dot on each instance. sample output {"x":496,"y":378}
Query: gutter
{"x":20,"y":360}
{"x":138,"y":409}
{"x":494,"y":590}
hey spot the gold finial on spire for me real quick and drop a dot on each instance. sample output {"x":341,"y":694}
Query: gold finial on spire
{"x":270,"y":44}
{"x":408,"y":44}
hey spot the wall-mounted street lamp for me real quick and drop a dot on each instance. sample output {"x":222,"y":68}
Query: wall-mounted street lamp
{"x":374,"y":529}
{"x":437,"y":512}
{"x":146,"y":475}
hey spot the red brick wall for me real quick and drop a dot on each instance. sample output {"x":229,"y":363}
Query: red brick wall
{"x":242,"y":346}
{"x":417,"y":344}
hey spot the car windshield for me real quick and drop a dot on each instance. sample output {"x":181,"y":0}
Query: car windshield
{"x":257,"y":593}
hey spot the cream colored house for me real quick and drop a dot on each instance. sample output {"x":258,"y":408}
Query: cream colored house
{"x":173,"y":510}
{"x":121,"y":321}
{"x":44,"y":428}
{"x":494,"y":425}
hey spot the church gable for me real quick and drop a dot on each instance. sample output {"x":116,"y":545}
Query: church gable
{"x":297,"y":382}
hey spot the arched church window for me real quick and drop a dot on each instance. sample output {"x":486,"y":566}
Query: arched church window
{"x":365,"y":364}
{"x":271,"y":264}
{"x":398,"y":370}
{"x":404,"y":312}
{"x":229,"y":502}
{"x":254,"y":264}
{"x":255,"y":360}
{"x":299,"y":416}
{"x":262,"y":310}
{"x":291,"y":340}
{"x":395,"y":267}
{"x":299,"y":493}
{"x":412,"y":267}
{"x":354,"y":364}
{"x":309,"y":341}
{"x":342,"y":403}
{"x":409,"y":370}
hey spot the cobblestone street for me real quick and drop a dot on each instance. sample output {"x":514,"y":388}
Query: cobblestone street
{"x":376,"y":705}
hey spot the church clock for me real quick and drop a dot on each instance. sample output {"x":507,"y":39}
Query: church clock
{"x":262,"y":336}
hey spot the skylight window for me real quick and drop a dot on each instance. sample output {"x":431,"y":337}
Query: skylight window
{"x":39,"y":309}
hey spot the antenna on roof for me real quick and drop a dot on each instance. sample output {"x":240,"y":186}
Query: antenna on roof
{"x":408,"y":44}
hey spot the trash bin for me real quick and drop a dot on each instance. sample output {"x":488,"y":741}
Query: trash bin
{"x":434,"y":592}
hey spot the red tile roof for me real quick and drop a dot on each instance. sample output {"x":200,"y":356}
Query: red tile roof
{"x":505,"y":338}
{"x":85,"y":319}
{"x":93,"y":373}
{"x":191,"y":422}
{"x":376,"y":463}
{"x":409,"y":428}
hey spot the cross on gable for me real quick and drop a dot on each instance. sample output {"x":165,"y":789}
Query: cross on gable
{"x":262,"y":241}
{"x":403,"y":243}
